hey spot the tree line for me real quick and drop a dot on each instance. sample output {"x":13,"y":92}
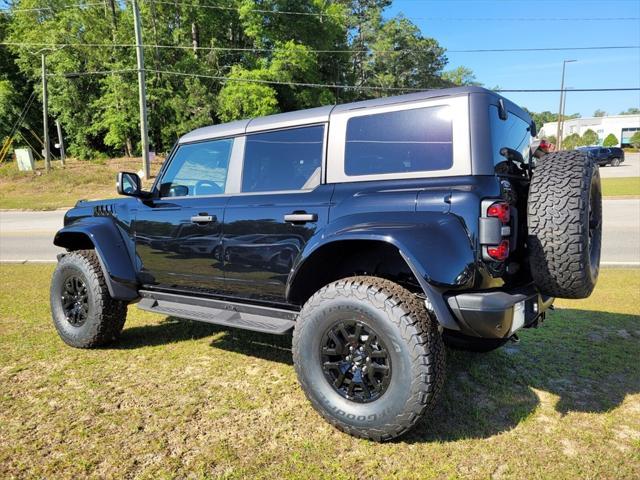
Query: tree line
{"x":229,"y":60}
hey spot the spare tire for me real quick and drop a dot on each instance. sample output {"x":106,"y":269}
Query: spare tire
{"x":565,"y":224}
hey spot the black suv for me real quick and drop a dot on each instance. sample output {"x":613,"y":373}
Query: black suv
{"x":377,"y":231}
{"x":613,"y":156}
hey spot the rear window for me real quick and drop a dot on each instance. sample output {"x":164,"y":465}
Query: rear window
{"x":513,"y":132}
{"x":416,"y":140}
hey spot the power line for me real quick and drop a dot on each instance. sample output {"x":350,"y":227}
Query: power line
{"x":252,"y":49}
{"x":368,"y":87}
{"x":61,"y":7}
{"x":326,"y":14}
{"x":95,"y":72}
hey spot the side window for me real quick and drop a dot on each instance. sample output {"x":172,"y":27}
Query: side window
{"x":283,"y":160}
{"x":416,"y":140}
{"x":197,"y":169}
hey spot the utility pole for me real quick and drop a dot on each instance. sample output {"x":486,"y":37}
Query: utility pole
{"x":45,"y":113}
{"x":60,"y":142}
{"x":560,"y":125}
{"x":144,"y":135}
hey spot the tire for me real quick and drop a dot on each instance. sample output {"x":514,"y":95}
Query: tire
{"x":458,"y":341}
{"x":83,"y":312}
{"x":390,"y":316}
{"x":565,"y":225}
{"x":615,"y":162}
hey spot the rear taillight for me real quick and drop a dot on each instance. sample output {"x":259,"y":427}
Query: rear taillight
{"x":499,"y":252}
{"x":495,"y":230}
{"x":500,"y":210}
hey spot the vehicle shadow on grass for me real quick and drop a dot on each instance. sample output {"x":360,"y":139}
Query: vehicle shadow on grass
{"x":587,"y":360}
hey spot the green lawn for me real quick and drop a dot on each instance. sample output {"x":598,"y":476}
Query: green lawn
{"x":181,"y":399}
{"x":63,"y":186}
{"x":620,"y":187}
{"x":94,"y":180}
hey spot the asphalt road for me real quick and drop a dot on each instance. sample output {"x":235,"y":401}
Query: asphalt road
{"x":27,"y":236}
{"x":629,"y":168}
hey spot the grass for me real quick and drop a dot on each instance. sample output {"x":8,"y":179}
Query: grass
{"x":63,"y":186}
{"x":620,"y":187}
{"x":181,"y":399}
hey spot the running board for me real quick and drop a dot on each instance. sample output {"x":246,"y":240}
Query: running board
{"x":229,"y":314}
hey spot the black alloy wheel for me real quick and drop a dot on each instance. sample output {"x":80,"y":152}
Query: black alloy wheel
{"x":355,"y":361}
{"x":75,"y":301}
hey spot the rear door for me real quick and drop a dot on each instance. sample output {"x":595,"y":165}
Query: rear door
{"x":178,"y":235}
{"x":280,"y":205}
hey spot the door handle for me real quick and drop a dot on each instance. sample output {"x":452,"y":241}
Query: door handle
{"x":301,"y":217}
{"x":203,"y":218}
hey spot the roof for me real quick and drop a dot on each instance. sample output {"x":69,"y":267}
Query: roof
{"x":319,"y":114}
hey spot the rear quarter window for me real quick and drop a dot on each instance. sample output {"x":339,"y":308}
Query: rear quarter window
{"x":514,"y":132}
{"x":415,"y":140}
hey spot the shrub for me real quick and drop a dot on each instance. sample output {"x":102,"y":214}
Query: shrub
{"x":610,"y":141}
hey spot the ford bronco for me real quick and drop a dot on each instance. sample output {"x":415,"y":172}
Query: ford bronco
{"x":376,"y":231}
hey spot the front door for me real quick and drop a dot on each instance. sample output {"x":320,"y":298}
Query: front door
{"x":280,"y":206}
{"x":178,"y":235}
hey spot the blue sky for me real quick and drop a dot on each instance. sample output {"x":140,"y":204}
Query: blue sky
{"x":593,"y":69}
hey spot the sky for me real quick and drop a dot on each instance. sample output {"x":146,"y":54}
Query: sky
{"x":539,"y":26}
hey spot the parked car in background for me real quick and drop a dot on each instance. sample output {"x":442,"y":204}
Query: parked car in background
{"x":613,"y":156}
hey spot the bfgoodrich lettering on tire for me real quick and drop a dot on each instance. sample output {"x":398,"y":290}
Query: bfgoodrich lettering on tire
{"x":83,"y":312}
{"x":368,"y":356}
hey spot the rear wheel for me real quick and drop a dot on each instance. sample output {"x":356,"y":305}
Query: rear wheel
{"x":83,"y":312}
{"x":368,"y":356}
{"x":565,"y":224}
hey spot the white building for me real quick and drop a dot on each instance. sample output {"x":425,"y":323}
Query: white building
{"x":622,"y":126}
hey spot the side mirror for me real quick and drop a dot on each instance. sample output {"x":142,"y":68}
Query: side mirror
{"x":533,"y":129}
{"x":129,"y":184}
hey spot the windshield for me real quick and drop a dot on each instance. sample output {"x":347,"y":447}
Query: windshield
{"x":514,"y":132}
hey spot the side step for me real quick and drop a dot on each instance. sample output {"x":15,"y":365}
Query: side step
{"x":230,"y":314}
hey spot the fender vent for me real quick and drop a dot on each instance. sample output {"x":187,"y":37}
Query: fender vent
{"x":103,"y":210}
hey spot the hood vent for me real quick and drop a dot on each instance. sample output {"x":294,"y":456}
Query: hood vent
{"x":103,"y":210}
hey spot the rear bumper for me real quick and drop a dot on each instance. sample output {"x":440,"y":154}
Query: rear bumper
{"x":497,"y":313}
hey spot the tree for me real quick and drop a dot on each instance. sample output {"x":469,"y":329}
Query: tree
{"x":571,"y":141}
{"x":635,"y":140}
{"x":631,"y":111}
{"x":599,"y":113}
{"x":610,"y":141}
{"x":589,"y":137}
{"x":552,"y":139}
{"x":461,"y":76}
{"x":216,"y":65}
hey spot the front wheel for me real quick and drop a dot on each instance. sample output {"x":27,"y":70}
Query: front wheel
{"x":615,"y":162}
{"x":369,"y":357}
{"x":83,"y":312}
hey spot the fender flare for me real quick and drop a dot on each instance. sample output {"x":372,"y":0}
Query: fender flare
{"x":112,"y":252}
{"x":435,"y":246}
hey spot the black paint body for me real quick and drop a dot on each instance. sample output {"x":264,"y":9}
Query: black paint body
{"x":248,"y":253}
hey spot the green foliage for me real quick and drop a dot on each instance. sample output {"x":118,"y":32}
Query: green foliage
{"x":552,"y":139}
{"x":461,"y":76}
{"x":243,"y":63}
{"x":610,"y":141}
{"x":571,"y":141}
{"x":599,"y":113}
{"x":631,"y":111}
{"x":589,"y":137}
{"x":635,"y":140}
